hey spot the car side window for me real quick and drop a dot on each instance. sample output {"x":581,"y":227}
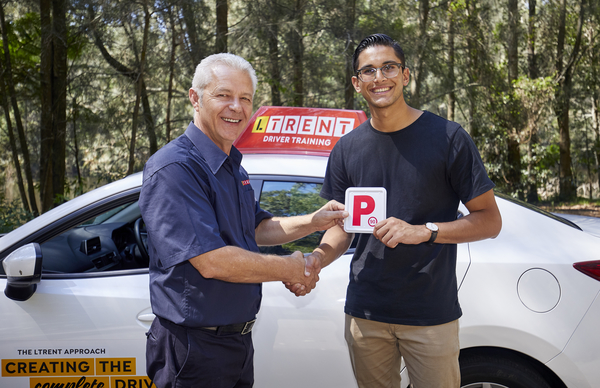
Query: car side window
{"x":284,"y":199}
{"x":107,"y":241}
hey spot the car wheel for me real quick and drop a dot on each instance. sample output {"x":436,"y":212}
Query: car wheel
{"x":487,"y":371}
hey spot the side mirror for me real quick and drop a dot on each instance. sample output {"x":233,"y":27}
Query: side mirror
{"x":23,"y":269}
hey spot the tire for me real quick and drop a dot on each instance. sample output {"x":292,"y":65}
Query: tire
{"x":489,"y":371}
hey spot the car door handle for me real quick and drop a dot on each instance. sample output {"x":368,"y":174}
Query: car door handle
{"x":145,"y":317}
{"x":148,"y":317}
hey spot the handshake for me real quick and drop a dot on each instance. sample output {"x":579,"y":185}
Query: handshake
{"x":306,"y":276}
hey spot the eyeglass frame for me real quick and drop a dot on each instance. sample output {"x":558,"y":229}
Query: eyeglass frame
{"x":359,"y":72}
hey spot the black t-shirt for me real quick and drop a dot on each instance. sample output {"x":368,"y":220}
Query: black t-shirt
{"x":426,"y":168}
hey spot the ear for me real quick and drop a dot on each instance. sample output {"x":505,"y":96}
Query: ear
{"x":406,"y":76}
{"x":194,"y":99}
{"x":356,"y":84}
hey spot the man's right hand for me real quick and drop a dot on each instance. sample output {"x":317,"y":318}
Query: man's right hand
{"x":312,"y":268}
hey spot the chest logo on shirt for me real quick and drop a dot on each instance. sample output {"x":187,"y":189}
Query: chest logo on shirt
{"x":246,"y":182}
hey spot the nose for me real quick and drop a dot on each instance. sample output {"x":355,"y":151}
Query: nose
{"x":235,"y":104}
{"x":379,"y":75}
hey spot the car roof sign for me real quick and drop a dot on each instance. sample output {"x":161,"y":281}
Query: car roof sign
{"x":294,"y":130}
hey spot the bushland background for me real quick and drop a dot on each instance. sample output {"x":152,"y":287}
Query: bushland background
{"x":90,"y":89}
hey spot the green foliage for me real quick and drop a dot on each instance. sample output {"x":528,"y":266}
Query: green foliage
{"x":549,"y":157}
{"x":300,"y":199}
{"x":24,"y":47}
{"x":12,"y":215}
{"x":101,"y":99}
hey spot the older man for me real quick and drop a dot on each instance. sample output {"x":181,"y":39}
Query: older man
{"x":204,"y":227}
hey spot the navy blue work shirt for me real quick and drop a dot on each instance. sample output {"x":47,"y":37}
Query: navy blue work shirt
{"x":195,"y":199}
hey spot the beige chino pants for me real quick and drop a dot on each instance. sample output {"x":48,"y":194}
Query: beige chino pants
{"x":377,"y":348}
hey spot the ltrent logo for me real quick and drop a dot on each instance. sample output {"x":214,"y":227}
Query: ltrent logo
{"x":297,"y":130}
{"x":304,"y":125}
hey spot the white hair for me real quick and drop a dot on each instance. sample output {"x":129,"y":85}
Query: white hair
{"x":204,"y":74}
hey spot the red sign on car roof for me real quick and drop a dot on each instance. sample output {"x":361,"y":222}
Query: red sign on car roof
{"x":292,"y":130}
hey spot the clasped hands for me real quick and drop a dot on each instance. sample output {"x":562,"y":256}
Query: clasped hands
{"x":307,"y":280}
{"x":330,"y":215}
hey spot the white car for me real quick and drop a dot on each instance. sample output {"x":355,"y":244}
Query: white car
{"x":588,"y":224}
{"x":76,"y":304}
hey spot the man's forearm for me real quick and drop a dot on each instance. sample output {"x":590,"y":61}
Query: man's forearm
{"x":281,"y":230}
{"x":236,"y":265}
{"x":484,"y":221}
{"x":476,"y":226}
{"x":335,"y":242}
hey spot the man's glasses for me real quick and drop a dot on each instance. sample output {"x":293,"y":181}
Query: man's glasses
{"x":390,"y":70}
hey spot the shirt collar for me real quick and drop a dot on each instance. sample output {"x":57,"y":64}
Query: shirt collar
{"x":214,"y":156}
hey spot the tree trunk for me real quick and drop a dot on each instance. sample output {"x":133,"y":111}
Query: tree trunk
{"x":59,"y":99}
{"x":473,"y":67}
{"x":297,"y":48}
{"x":148,"y":119}
{"x":596,"y":126}
{"x":53,"y":70}
{"x":274,"y":64}
{"x":567,"y":186}
{"x":594,"y":57}
{"x":349,"y":91}
{"x":139,"y":83}
{"x":12,"y":140}
{"x":531,"y":31}
{"x":532,"y":179}
{"x":222,"y":26}
{"x":419,"y":61}
{"x":513,"y":174}
{"x":134,"y":124}
{"x":191,"y":32}
{"x":174,"y":38}
{"x":46,"y":196}
{"x":79,"y":189}
{"x":451,"y":97}
{"x":20,"y":130}
{"x":272,"y":31}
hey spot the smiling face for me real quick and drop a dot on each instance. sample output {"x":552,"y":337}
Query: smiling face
{"x":226,"y":106}
{"x":381,"y":92}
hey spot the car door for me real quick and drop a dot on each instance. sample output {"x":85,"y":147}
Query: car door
{"x":299,"y":341}
{"x":86,"y":320}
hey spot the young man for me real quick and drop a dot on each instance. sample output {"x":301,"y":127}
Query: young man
{"x":402,"y":297}
{"x":204,"y":227}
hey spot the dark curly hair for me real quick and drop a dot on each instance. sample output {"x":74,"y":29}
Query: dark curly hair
{"x":377,"y":40}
